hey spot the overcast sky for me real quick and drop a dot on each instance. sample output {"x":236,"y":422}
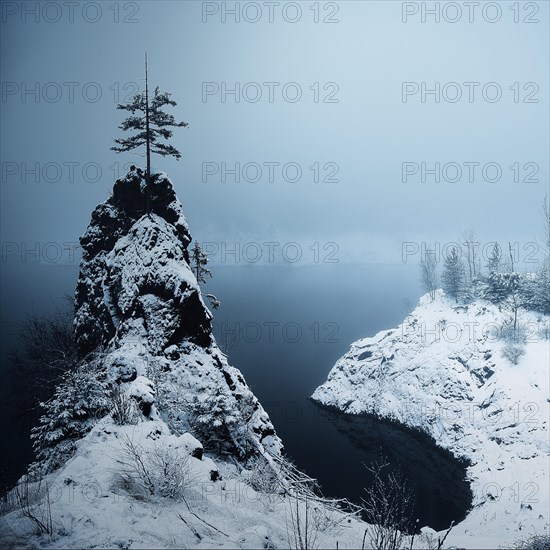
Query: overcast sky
{"x":360,"y":62}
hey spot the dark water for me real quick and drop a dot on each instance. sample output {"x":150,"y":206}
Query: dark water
{"x":287,"y":327}
{"x":433,"y":477}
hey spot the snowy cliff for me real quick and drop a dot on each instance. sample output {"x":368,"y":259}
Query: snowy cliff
{"x":139,"y":304}
{"x":445,"y":371}
{"x":129,"y":259}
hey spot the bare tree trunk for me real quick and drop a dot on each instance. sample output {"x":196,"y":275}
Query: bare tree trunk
{"x":470,"y":243}
{"x":428,"y":271}
{"x":515,"y":305}
{"x":148,"y":143}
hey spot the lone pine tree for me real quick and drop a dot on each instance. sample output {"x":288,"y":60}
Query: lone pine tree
{"x":495,"y":260}
{"x":153,"y":124}
{"x":452,"y":278}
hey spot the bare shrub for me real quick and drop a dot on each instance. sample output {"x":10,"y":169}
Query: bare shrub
{"x":227,"y":342}
{"x":514,"y":334}
{"x":308,"y":512}
{"x":513,"y":352}
{"x":35,"y":504}
{"x":388,"y":508}
{"x":38,"y":355}
{"x":428,"y":272}
{"x":533,"y":542}
{"x":6,"y":503}
{"x":47,"y":350}
{"x":302,"y":523}
{"x":163,"y":471}
{"x":123,"y":408}
{"x":428,"y":541}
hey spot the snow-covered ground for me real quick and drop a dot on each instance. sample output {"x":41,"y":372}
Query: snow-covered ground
{"x":98,"y":500}
{"x":442,"y":371}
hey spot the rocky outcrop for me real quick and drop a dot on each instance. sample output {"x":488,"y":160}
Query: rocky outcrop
{"x":139,"y":307}
{"x":101,"y":302}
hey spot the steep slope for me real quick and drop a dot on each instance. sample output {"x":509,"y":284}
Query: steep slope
{"x":145,"y":339}
{"x":98,"y":314}
{"x":139,"y":305}
{"x":442,"y":371}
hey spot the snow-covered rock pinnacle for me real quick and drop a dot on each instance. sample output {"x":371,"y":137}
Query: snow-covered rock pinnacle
{"x":139,"y":306}
{"x":119,"y":231}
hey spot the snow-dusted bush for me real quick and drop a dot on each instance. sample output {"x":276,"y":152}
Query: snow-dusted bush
{"x":513,"y":334}
{"x":535,"y":290}
{"x":513,"y":352}
{"x":452,"y":278}
{"x":541,"y":297}
{"x":499,"y":285}
{"x":262,"y":478}
{"x":544,"y":331}
{"x":475,"y":289}
{"x":213,"y":419}
{"x":161,"y":470}
{"x":79,"y":401}
{"x":528,"y":290}
{"x":123,"y":407}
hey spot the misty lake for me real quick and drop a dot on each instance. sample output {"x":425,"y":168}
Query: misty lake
{"x":286,"y":327}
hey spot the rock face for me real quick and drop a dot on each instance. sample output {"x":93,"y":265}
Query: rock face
{"x":139,"y":306}
{"x":104,"y":299}
{"x":443,"y":371}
